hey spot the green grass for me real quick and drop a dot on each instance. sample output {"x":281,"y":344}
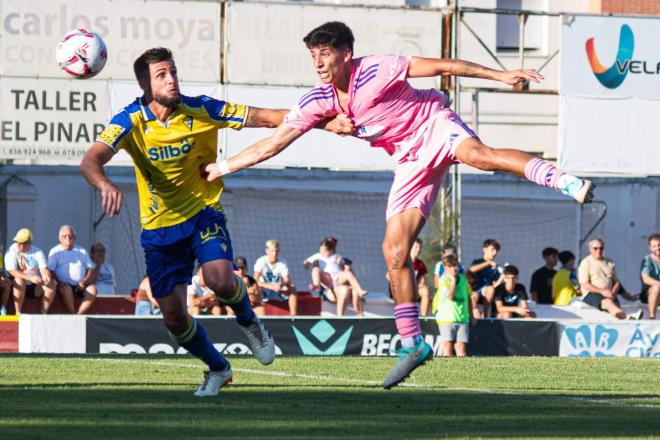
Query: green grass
{"x":333,"y":398}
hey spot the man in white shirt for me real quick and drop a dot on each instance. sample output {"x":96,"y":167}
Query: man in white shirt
{"x":31,"y":277}
{"x":103,"y":275}
{"x":201,"y":299}
{"x":73,"y":270}
{"x":272,"y":274}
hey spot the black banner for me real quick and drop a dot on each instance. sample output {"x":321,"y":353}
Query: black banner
{"x":322,"y":337}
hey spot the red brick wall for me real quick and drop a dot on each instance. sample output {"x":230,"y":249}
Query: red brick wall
{"x":650,"y":7}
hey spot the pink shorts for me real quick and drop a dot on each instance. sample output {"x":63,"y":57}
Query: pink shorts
{"x":418,"y":178}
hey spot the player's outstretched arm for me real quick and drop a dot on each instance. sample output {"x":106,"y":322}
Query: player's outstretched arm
{"x":91,"y":168}
{"x":425,"y":67}
{"x":340,"y":124}
{"x":264,"y":117}
{"x":254,"y":154}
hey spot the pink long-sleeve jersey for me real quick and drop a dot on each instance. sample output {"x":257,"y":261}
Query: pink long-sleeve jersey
{"x":386,"y":110}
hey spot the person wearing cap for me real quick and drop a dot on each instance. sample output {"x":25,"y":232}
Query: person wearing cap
{"x":73,"y":270}
{"x":29,"y":271}
{"x":253,"y":289}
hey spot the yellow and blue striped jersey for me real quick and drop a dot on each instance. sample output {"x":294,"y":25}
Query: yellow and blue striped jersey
{"x":167,"y":155}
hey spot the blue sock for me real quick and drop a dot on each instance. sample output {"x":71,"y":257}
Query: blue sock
{"x":197,"y":342}
{"x":240,"y":304}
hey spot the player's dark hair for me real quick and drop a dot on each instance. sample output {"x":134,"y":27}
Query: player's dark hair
{"x":566,"y":256}
{"x":333,"y":33}
{"x":419,"y":241}
{"x":450,"y":260}
{"x":141,"y":65}
{"x":329,"y":243}
{"x":511,"y":270}
{"x":654,"y":237}
{"x":549,"y":251}
{"x":491,"y":242}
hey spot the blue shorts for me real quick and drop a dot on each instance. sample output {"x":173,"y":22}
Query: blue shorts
{"x":170,"y":252}
{"x":273,"y":295}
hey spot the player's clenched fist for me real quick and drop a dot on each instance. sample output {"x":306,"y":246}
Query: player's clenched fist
{"x":341,"y":125}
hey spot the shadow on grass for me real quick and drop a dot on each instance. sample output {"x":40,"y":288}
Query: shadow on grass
{"x":294,"y":412}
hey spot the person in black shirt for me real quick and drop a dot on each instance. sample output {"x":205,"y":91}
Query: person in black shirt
{"x":486,"y":277}
{"x":541,"y":286}
{"x":510,"y":297}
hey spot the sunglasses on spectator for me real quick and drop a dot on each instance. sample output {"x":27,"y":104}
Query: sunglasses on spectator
{"x":596,"y":248}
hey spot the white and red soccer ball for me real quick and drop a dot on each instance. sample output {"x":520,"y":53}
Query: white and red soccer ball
{"x":81,"y":53}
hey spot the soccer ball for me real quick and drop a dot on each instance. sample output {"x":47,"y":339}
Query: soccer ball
{"x":81,"y":53}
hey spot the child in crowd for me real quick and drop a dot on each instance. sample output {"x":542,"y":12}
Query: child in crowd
{"x":452,"y":309}
{"x":511,"y":296}
{"x":565,"y":284}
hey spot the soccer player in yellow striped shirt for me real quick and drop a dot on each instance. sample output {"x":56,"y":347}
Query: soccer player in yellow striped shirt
{"x":169,"y":136}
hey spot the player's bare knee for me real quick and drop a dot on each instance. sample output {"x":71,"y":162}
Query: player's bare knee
{"x":224,"y":288}
{"x":395,"y":255}
{"x":476,"y":154}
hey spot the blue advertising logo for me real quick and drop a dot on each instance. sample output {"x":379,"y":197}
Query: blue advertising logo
{"x":323,"y":331}
{"x":587,"y":344}
{"x":612,"y":77}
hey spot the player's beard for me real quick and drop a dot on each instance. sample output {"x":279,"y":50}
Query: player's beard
{"x":168,"y":101}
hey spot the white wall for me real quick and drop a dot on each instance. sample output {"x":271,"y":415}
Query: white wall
{"x":523,"y":121}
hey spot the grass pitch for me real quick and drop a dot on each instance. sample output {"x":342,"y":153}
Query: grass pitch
{"x":329,"y":398}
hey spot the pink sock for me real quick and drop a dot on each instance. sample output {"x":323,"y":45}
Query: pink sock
{"x":543,"y":173}
{"x":406,"y":316}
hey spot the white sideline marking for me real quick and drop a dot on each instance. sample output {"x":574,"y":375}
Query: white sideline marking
{"x":261,"y":372}
{"x":274,"y":373}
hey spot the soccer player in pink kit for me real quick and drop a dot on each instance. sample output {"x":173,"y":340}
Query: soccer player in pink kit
{"x":424,"y":137}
